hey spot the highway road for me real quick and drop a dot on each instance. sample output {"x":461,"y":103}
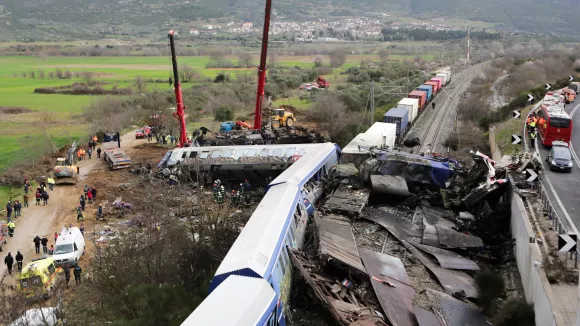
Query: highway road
{"x":566,"y":185}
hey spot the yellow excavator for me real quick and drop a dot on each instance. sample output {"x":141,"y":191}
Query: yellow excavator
{"x":282,"y":118}
{"x":66,"y":170}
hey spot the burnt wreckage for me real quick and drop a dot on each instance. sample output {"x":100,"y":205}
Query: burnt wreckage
{"x":451,"y":219}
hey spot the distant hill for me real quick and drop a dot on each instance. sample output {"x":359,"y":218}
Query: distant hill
{"x":60,"y":19}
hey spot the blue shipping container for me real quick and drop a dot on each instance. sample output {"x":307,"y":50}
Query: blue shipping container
{"x":400,"y":117}
{"x":427,"y":89}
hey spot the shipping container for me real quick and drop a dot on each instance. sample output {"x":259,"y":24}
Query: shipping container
{"x":443,"y":76}
{"x":435,"y":86}
{"x":441,"y":81}
{"x":411,"y":105}
{"x":421,"y":96}
{"x":379,"y":135}
{"x":428,"y":89}
{"x":400,"y":117}
{"x":436,"y":82}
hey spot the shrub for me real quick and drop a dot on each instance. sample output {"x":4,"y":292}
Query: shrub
{"x":490,"y":285}
{"x":221,"y":78}
{"x":516,"y":312}
{"x":223,"y":113}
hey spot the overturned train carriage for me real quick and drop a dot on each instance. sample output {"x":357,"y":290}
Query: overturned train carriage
{"x":259,"y":255}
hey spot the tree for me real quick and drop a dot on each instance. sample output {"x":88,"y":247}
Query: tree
{"x":337,"y":58}
{"x":330,"y":113}
{"x":245,"y":59}
{"x":51,"y":75}
{"x":140,"y":84}
{"x":383,"y":54}
{"x":217,"y":59}
{"x":41,"y":74}
{"x":223,"y":113}
{"x":318,"y":61}
{"x":32,"y":74}
{"x":221,"y":78}
{"x":186,"y":73}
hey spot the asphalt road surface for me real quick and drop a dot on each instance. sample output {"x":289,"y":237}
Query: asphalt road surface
{"x":567,"y":184}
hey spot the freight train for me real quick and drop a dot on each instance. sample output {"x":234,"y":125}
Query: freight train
{"x":410,"y":107}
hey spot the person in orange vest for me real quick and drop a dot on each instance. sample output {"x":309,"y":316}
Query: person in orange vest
{"x":80,"y":154}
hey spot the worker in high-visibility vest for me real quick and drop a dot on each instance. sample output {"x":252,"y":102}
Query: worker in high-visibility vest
{"x":532,"y":138}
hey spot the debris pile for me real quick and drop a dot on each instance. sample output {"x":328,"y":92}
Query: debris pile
{"x":452,"y":220}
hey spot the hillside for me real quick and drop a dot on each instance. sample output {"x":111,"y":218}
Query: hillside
{"x":74,"y":19}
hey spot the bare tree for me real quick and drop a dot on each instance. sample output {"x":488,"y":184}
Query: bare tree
{"x":330,"y":113}
{"x":217,"y":59}
{"x":383,"y":54}
{"x":51,"y":75}
{"x":245,"y":59}
{"x":187,"y":74}
{"x":24,"y":74}
{"x":32,"y":74}
{"x":140,"y":84}
{"x":41,"y":74}
{"x":337,"y":58}
{"x":318,"y":61}
{"x":59,"y":73}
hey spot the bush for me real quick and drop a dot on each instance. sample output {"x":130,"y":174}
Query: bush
{"x":452,"y":142}
{"x":223,"y":113}
{"x":490,"y":285}
{"x":221,"y":78}
{"x":516,"y":312}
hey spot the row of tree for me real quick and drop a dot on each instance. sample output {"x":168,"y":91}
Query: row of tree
{"x":424,"y":34}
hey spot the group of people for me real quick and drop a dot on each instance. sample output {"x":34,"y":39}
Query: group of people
{"x":9,"y":261}
{"x":42,"y":193}
{"x":15,"y":207}
{"x":531,"y":124}
{"x":244,"y":193}
{"x":90,"y":195}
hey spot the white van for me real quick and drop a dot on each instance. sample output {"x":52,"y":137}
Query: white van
{"x":69,"y":247}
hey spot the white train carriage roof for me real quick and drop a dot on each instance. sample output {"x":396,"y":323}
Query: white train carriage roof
{"x":211,"y":153}
{"x":238,"y":300}
{"x":252,"y":253}
{"x":301,"y":171}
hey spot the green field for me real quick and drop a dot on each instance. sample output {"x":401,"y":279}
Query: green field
{"x":21,"y":135}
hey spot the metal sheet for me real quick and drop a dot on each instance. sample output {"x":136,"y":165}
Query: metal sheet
{"x":337,"y":241}
{"x":454,"y":239}
{"x":386,"y":265}
{"x":456,"y":312}
{"x":448,"y":259}
{"x":347,"y":201}
{"x":452,"y":281}
{"x":426,"y":317}
{"x":397,"y":301}
{"x":436,"y":216}
{"x":388,"y":184}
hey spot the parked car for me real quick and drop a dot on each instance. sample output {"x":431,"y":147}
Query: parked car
{"x":139,"y":134}
{"x":305,"y":86}
{"x":560,"y":158}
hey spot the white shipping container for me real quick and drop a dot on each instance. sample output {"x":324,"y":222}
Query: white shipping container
{"x":443,"y":76}
{"x":411,"y":105}
{"x":380,"y":135}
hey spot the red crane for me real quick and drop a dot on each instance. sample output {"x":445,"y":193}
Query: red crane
{"x":262,"y":68}
{"x":179,"y":113}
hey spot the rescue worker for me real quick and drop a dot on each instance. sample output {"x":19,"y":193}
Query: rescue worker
{"x":86,"y":189}
{"x":215,"y":190}
{"x":94,"y":193}
{"x":220,"y":200}
{"x":25,"y":200}
{"x":77,"y":271}
{"x":37,"y":244}
{"x":532,"y":138}
{"x":100,"y":212}
{"x":95,"y":139}
{"x":90,"y":152}
{"x":82,"y":202}
{"x":204,"y":131}
{"x":50,"y":182}
{"x":38,"y":196}
{"x":533,"y":125}
{"x":9,"y":261}
{"x":17,"y":208}
{"x":222,"y":191}
{"x":51,"y":250}
{"x":79,"y":214}
{"x":11,"y":227}
{"x":66,"y":269}
{"x":9,"y":210}
{"x":44,"y":242}
{"x":433,"y":105}
{"x":99,"y":152}
{"x":82,"y":228}
{"x":247,"y":188}
{"x":55,"y":236}
{"x":19,"y":259}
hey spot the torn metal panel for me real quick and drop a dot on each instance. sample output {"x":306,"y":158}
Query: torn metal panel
{"x":454,"y":239}
{"x":426,"y":317}
{"x":447,"y":259}
{"x":388,"y":184}
{"x":454,"y":311}
{"x":451,"y":280}
{"x":437,"y":217}
{"x":337,"y":241}
{"x":344,"y":305}
{"x":347,"y":201}
{"x":395,"y":297}
{"x":392,"y":221}
{"x":385,"y":265}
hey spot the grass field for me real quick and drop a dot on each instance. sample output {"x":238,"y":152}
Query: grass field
{"x":20,"y":135}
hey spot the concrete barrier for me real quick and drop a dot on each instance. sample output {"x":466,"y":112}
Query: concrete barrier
{"x":537,"y":289}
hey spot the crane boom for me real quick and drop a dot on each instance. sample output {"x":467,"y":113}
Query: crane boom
{"x":262,"y":68}
{"x":179,"y":113}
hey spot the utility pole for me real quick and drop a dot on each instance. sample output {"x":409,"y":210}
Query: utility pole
{"x":468,"y":40}
{"x":372,"y":115}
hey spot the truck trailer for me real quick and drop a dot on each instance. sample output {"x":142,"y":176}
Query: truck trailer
{"x":112,"y":152}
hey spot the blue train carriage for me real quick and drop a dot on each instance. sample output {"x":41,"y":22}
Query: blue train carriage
{"x":249,"y":301}
{"x":259,"y":252}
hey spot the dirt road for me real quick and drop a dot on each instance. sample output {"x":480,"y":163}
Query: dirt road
{"x":60,"y":211}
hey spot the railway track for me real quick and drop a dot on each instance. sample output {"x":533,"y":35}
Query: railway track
{"x":430,"y":138}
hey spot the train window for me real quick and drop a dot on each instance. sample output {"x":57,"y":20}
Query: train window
{"x":192,"y":154}
{"x":296,"y":217}
{"x":283,"y":261}
{"x":183,"y":155}
{"x":299,"y":209}
{"x":285,"y":253}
